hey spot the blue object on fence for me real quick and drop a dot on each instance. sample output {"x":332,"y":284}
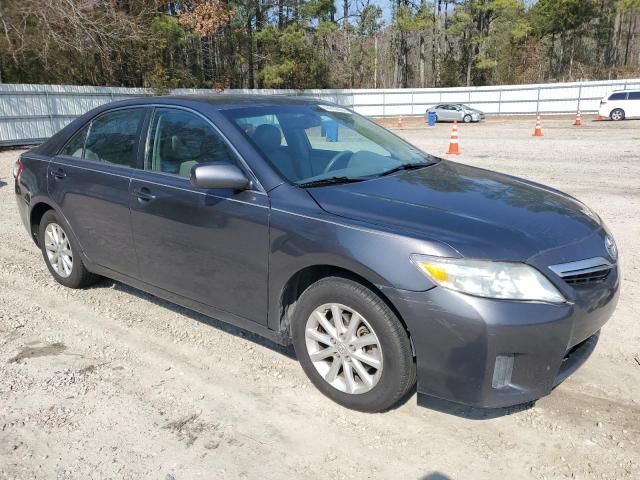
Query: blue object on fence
{"x":431,"y":118}
{"x":331,"y":131}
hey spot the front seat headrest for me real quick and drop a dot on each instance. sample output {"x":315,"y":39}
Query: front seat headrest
{"x":267,"y":137}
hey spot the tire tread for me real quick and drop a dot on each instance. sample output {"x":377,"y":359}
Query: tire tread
{"x":398,"y":332}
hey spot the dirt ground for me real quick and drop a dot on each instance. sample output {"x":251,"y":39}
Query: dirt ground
{"x":113,"y":383}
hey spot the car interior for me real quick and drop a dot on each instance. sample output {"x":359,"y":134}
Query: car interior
{"x":304,"y":146}
{"x":180,"y":142}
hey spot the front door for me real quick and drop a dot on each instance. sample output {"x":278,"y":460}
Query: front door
{"x":210,"y":246}
{"x":89,"y":180}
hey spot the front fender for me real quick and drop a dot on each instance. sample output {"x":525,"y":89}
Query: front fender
{"x":303,"y":236}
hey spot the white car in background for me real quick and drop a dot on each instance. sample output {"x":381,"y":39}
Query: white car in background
{"x":621,"y":104}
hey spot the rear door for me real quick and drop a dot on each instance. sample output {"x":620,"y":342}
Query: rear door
{"x":210,"y":246}
{"x":618,"y":100}
{"x":447,"y":113}
{"x":634,"y":104}
{"x":89,"y":180}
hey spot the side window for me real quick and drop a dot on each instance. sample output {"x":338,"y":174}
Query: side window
{"x":251,"y":124}
{"x":618,"y":96}
{"x":113,"y":136}
{"x":634,"y":95}
{"x":75,"y":146}
{"x":178,"y":140}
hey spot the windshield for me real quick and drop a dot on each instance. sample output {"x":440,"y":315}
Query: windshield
{"x":309,"y":143}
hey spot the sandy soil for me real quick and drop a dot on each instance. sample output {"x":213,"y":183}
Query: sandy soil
{"x":113,"y":383}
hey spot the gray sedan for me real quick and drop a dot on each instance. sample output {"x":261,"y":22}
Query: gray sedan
{"x":307,"y":224}
{"x":448,"y":112}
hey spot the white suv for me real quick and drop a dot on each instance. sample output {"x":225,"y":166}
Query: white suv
{"x":620,"y":105}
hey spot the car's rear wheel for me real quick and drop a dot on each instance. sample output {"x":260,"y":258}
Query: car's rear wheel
{"x":352,"y":346}
{"x":466,"y":118}
{"x":617,"y":114}
{"x":60,"y":252}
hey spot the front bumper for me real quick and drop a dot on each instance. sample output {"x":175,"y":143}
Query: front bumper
{"x":457,"y":339}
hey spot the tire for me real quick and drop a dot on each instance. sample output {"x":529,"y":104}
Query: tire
{"x":55,"y":237}
{"x":380,"y":338}
{"x":467,"y":118}
{"x":617,"y":114}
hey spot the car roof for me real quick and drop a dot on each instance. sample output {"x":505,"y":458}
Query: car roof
{"x":215,"y":101}
{"x":222,"y":101}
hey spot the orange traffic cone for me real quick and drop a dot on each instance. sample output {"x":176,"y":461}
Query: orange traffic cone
{"x":399,"y":124}
{"x":578,"y":121}
{"x":453,"y":143}
{"x":538,"y":131}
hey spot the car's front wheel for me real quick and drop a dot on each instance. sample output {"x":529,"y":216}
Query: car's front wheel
{"x":467,"y":118}
{"x":617,"y":114}
{"x":352,"y":346}
{"x":60,"y":252}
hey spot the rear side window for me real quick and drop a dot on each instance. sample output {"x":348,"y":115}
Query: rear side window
{"x":178,"y":140}
{"x":113,"y":137}
{"x":634,"y":95}
{"x":75,"y":146}
{"x":618,"y":96}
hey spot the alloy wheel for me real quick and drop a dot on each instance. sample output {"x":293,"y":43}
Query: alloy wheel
{"x":58,"y":249}
{"x":617,"y":114}
{"x":343,"y":348}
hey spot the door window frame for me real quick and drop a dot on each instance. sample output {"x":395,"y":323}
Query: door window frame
{"x":624,"y":93}
{"x":134,"y":160}
{"x":254,"y":184}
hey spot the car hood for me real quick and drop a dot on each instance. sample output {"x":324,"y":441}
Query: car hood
{"x":481,"y":214}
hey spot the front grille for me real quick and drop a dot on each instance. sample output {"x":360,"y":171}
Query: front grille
{"x":587,"y":278}
{"x":575,"y":357}
{"x":583,"y":272}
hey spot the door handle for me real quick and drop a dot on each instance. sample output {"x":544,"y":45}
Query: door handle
{"x":58,"y":173}
{"x":143,"y":194}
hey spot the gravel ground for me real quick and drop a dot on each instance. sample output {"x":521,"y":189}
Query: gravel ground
{"x":112,"y":383}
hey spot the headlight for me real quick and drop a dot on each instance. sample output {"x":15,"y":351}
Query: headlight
{"x":505,"y":280}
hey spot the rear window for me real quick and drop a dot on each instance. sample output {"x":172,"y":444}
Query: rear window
{"x":634,"y":95}
{"x":618,"y":96}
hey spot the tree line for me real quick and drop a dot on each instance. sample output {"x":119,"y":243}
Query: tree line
{"x":316,"y":43}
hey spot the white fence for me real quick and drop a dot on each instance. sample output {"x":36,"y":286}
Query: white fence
{"x":31,"y":113}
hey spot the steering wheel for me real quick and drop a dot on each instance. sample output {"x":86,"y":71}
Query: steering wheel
{"x":334,"y":160}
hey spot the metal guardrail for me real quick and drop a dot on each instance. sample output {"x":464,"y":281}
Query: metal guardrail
{"x":31,"y":113}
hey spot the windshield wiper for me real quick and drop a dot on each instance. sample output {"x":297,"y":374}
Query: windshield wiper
{"x":406,"y":166}
{"x":329,"y":181}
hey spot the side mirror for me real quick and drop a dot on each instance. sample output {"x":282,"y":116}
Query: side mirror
{"x":218,"y":175}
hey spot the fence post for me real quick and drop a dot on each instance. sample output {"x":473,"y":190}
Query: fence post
{"x":500,"y":101}
{"x":384,"y":104}
{"x":49,"y":111}
{"x":538,"y":101}
{"x":579,"y":95}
